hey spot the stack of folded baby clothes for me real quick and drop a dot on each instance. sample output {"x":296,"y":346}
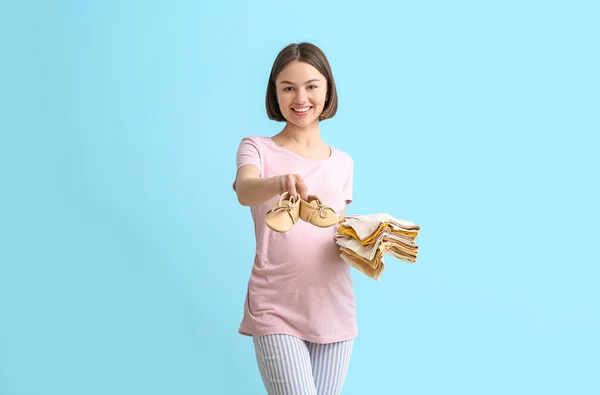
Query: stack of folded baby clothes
{"x":365,"y":239}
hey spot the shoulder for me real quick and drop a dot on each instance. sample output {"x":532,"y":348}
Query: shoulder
{"x":343,"y":156}
{"x":251,"y":139}
{"x":255,"y":137}
{"x":250,"y":151}
{"x":255,"y":140}
{"x":258,"y":142}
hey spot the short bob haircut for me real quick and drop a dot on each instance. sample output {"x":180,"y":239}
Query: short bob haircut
{"x":308,"y":53}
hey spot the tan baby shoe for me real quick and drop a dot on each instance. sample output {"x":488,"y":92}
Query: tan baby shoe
{"x":315,"y":212}
{"x":284,"y":214}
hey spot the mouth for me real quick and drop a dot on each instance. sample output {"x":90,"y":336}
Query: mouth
{"x":300,"y":111}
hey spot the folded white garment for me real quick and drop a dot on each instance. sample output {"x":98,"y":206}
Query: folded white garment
{"x":366,"y":225}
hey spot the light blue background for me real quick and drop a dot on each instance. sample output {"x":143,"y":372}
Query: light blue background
{"x":125,"y":255}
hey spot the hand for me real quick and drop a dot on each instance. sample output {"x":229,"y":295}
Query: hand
{"x":293,"y":184}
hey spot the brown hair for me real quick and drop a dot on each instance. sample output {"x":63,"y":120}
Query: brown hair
{"x":308,"y":53}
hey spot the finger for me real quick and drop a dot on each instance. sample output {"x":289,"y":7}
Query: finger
{"x":302,"y":189}
{"x":292,"y":191}
{"x":290,"y":186}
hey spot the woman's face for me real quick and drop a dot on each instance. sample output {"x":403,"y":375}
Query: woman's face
{"x":301,"y":93}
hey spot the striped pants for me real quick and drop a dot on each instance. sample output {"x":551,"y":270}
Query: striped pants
{"x":292,"y":366}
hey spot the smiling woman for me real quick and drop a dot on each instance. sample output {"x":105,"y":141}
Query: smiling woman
{"x":301,"y":73}
{"x":300,"y":307}
{"x":301,"y":102}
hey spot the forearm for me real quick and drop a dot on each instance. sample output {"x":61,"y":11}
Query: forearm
{"x":256,"y":191}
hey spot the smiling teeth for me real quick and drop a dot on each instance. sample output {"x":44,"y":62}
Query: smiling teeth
{"x":305,"y":109}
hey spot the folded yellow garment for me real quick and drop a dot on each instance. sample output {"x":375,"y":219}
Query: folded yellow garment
{"x":402,"y":248}
{"x":375,"y":263}
{"x":396,"y":250}
{"x":401,"y":256}
{"x":348,"y":231}
{"x":368,"y":252}
{"x":362,"y":267}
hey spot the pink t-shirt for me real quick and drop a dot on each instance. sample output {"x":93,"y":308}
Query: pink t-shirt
{"x":299,"y":284}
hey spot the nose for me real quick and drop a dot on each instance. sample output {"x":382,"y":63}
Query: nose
{"x":301,"y":96}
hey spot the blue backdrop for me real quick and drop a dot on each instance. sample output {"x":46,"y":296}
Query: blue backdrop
{"x":125,"y":255}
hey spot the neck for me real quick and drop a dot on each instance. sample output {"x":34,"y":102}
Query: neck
{"x":308,"y":135}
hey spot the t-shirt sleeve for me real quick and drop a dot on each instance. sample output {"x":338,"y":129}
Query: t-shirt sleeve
{"x":248,"y":153}
{"x":348,"y":184}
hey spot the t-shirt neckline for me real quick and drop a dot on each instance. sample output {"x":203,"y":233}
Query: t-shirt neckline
{"x":279,"y":148}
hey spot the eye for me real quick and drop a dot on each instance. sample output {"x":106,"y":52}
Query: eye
{"x":312,"y":87}
{"x":288,"y":89}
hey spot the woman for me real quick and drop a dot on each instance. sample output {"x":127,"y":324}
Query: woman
{"x":300,"y":307}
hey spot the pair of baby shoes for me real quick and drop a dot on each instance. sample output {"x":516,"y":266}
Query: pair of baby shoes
{"x":284,"y":215}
